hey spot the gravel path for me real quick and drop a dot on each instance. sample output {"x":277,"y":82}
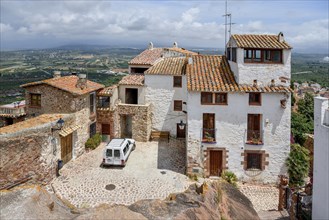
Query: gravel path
{"x":153,"y":171}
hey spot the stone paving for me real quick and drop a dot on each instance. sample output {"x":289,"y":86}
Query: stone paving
{"x":265,"y":199}
{"x":153,"y":171}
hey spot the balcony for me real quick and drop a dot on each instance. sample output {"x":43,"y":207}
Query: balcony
{"x":13,"y":110}
{"x":254,"y":137}
{"x":209,"y":135}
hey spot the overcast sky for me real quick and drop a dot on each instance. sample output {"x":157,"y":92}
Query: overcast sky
{"x":44,"y":24}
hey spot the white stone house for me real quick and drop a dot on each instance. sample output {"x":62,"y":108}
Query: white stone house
{"x":236,"y":111}
{"x":239,"y":110}
{"x":320,"y":200}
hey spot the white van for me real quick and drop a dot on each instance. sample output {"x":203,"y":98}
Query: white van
{"x":117,"y":151}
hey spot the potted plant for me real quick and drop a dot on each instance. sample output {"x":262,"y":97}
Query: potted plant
{"x":209,"y":137}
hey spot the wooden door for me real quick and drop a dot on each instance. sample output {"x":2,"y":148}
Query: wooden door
{"x":66,"y":148}
{"x":180,"y":133}
{"x":253,"y":131}
{"x":216,"y":162}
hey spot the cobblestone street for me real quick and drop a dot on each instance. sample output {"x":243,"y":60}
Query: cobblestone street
{"x":265,"y":200}
{"x":153,"y":171}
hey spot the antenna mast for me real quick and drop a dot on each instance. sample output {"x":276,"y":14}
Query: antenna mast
{"x":230,"y":23}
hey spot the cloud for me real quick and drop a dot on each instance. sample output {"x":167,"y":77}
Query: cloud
{"x":194,"y":24}
{"x":5,"y":28}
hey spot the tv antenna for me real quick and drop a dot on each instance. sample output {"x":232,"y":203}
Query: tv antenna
{"x":227,"y":16}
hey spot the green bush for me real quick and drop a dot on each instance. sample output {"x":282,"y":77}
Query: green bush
{"x":298,"y":164}
{"x":93,"y":142}
{"x":230,"y":177}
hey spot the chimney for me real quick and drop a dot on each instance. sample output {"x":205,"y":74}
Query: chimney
{"x":57,"y":74}
{"x":255,"y":83}
{"x":82,"y":81}
{"x":150,"y":46}
{"x":175,"y":45}
{"x":280,"y":37}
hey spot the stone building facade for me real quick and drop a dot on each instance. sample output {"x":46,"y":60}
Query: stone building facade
{"x":72,"y":99}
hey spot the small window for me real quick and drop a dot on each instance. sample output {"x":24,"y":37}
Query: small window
{"x":255,"y":99}
{"x":92,"y":129}
{"x":109,"y":152}
{"x":177,"y":81}
{"x":92,"y":102}
{"x":276,"y":56}
{"x":254,"y":161}
{"x":117,"y":153}
{"x":178,"y":105}
{"x":103,"y":102}
{"x":206,"y":98}
{"x":221,"y":98}
{"x":36,"y":100}
{"x":125,"y":150}
{"x":233,"y":54}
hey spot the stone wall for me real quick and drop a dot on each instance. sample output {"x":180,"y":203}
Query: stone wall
{"x":35,"y":150}
{"x":54,"y":100}
{"x":141,"y":120}
{"x":105,"y":116}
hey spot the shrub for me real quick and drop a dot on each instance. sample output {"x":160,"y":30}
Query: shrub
{"x":93,"y":142}
{"x":298,"y":164}
{"x":230,"y":177}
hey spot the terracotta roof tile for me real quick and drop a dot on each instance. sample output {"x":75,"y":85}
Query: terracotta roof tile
{"x":108,"y":91}
{"x":147,"y":57}
{"x":260,"y":41}
{"x":212,"y":73}
{"x":151,"y":56}
{"x":133,"y":79}
{"x":33,"y":122}
{"x":182,"y":50}
{"x":169,"y":66}
{"x":68,"y":84}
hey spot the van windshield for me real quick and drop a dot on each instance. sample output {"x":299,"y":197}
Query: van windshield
{"x":109,"y":152}
{"x":116,"y":153}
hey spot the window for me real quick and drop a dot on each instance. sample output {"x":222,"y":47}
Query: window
{"x":92,"y":102}
{"x":117,"y":153}
{"x":221,"y":98}
{"x":262,"y":56}
{"x":109,"y":152}
{"x":255,"y":99}
{"x":231,"y":54}
{"x":92,"y":129}
{"x":103,"y":102}
{"x":35,"y":100}
{"x":177,"y":81}
{"x":131,"y":96}
{"x":125,"y":149}
{"x":254,"y":134}
{"x":208,"y":98}
{"x":254,"y":161}
{"x":178,"y":105}
{"x":209,"y":131}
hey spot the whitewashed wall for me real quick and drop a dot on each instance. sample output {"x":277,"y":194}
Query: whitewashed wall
{"x":321,"y":158}
{"x":161,"y":94}
{"x":246,"y":73}
{"x":231,"y":125}
{"x":141,"y":93}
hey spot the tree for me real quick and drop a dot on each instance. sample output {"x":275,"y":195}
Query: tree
{"x":298,"y":165}
{"x":306,"y":106}
{"x":300,"y":126}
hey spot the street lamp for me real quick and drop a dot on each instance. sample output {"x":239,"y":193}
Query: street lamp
{"x":181,"y":125}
